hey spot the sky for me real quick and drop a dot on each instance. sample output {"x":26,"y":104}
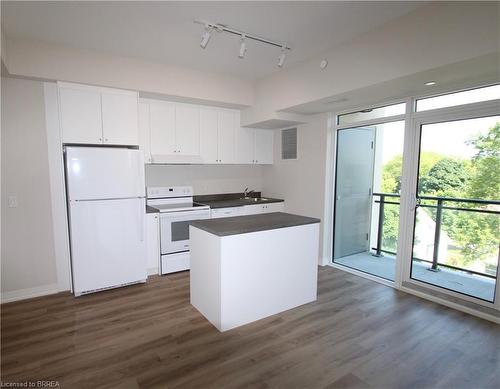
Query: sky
{"x":448,"y":138}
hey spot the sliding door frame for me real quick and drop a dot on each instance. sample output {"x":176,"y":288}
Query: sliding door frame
{"x":409,"y":189}
{"x":331,"y":167}
{"x":411,"y":153}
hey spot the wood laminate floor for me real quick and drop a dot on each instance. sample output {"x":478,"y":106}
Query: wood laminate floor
{"x":359,"y":334}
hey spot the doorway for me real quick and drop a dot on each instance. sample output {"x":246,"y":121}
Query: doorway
{"x":367,"y":189}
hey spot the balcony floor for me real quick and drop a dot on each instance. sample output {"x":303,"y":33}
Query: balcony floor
{"x":384,"y":267}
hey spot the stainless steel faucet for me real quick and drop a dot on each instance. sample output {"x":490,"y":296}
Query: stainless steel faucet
{"x":247,"y":192}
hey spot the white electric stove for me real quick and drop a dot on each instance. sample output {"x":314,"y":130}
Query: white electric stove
{"x":177,"y":210}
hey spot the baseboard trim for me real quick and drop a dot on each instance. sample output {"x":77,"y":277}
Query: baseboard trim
{"x":425,"y":296}
{"x":450,"y":304}
{"x":23,"y":294}
{"x":153,"y":271}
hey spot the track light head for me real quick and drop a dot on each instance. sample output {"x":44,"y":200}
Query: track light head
{"x":281,"y":58}
{"x":205,"y":37}
{"x":243,"y":47}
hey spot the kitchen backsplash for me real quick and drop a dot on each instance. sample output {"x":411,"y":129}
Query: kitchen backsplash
{"x":207,"y":179}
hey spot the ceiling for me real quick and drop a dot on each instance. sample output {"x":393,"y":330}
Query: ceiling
{"x":481,"y":70}
{"x":164,"y":31}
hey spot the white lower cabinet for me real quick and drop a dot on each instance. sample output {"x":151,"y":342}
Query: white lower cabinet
{"x":264,"y":208}
{"x":226,"y":212}
{"x":247,"y":210}
{"x":153,"y":242}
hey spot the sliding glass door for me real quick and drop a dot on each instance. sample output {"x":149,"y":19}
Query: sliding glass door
{"x":367,"y":185}
{"x":456,"y":235}
{"x":416,"y":194}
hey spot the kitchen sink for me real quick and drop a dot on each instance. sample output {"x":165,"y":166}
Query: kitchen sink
{"x":254,"y":199}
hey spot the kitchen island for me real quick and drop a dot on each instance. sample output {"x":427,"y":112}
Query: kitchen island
{"x":247,"y":268}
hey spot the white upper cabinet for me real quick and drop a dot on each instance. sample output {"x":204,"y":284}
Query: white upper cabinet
{"x":93,"y":115}
{"x":226,"y":136}
{"x":144,"y":131}
{"x":175,"y":132}
{"x":209,"y":135}
{"x":120,"y":117}
{"x":187,"y":133}
{"x":217,"y":135}
{"x":187,"y":129}
{"x":264,"y":146}
{"x":254,"y":146}
{"x":245,"y":145}
{"x":162,"y":124}
{"x":80,"y":112}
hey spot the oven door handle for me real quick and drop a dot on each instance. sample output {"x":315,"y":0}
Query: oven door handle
{"x":194,"y":215}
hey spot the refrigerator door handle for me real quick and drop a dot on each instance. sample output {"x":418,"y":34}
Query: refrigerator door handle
{"x":142,"y":224}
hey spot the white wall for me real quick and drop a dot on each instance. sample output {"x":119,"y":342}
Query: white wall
{"x":63,"y":63}
{"x":27,"y":250}
{"x":301,"y":182}
{"x":434,"y":35}
{"x":207,"y":179}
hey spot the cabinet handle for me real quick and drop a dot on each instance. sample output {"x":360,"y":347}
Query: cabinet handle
{"x":256,"y":161}
{"x":100,"y":139}
{"x":105,"y":139}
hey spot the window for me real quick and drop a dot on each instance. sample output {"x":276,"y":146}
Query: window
{"x":289,"y":143}
{"x":448,"y":241}
{"x":372,"y":113}
{"x":459,"y":98}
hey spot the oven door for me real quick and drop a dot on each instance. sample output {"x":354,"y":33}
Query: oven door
{"x":174,"y":229}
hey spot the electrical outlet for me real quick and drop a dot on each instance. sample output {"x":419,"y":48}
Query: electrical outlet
{"x":12,"y":201}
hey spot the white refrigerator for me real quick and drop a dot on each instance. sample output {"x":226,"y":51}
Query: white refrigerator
{"x":106,"y":203}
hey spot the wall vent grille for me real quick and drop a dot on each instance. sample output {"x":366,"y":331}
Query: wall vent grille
{"x":289,"y":143}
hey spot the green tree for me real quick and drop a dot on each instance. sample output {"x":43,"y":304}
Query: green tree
{"x":448,"y":177}
{"x":486,"y":182}
{"x":475,"y":234}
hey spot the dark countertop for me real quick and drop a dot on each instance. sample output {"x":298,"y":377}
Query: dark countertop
{"x":233,"y":200}
{"x":238,"y":202}
{"x":150,"y":209}
{"x":252,"y":223}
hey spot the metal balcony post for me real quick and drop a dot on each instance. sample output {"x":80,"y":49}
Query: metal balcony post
{"x":437,"y":235}
{"x":380,"y":231}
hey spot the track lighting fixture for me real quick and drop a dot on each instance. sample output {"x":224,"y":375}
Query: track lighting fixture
{"x":206,"y":36}
{"x":243,"y":47}
{"x":210,"y":27}
{"x":281,"y":58}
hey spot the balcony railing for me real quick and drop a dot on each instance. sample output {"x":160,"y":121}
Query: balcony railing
{"x":439,"y":206}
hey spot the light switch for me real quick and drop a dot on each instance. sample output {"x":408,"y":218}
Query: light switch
{"x":12,"y":201}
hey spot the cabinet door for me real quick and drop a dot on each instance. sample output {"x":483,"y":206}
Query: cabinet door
{"x":187,"y":129}
{"x":144,"y":131}
{"x":208,"y":135}
{"x":273,"y":207}
{"x":245,"y":145}
{"x":80,"y":109}
{"x":120,"y":117}
{"x":152,"y":242}
{"x":226,"y":212}
{"x":162,"y":127}
{"x":226,"y":134}
{"x":253,"y":209}
{"x":264,"y":146}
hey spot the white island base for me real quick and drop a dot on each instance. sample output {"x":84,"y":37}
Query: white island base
{"x":238,"y":279}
